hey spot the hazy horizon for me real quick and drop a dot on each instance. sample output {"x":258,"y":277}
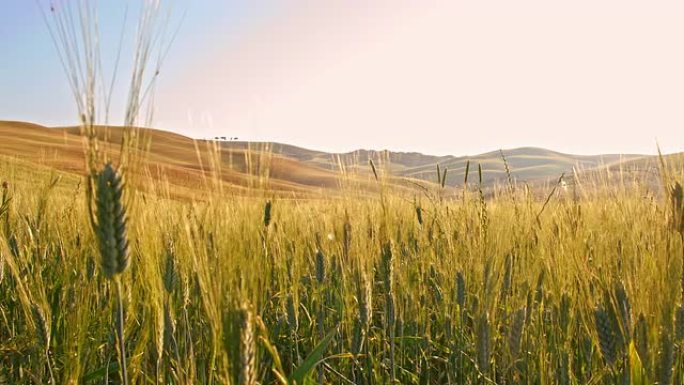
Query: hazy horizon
{"x":456,"y":78}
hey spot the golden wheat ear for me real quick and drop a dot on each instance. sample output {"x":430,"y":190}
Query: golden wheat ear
{"x":111,"y":222}
{"x":247,"y":372}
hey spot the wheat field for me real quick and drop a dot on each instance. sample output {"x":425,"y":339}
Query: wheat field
{"x":583,"y":287}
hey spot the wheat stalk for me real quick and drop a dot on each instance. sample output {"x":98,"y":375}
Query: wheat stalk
{"x":111,"y":229}
{"x":387,"y":259}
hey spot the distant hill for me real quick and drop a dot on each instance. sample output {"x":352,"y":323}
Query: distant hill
{"x":181,"y":160}
{"x":527,"y":164}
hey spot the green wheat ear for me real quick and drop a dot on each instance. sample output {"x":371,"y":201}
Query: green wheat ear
{"x":267,"y":213}
{"x":607,"y":340}
{"x":111,"y":222}
{"x":320,"y":266}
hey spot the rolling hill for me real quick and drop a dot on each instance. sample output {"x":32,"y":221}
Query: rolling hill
{"x":286,"y":169}
{"x":527,"y":164}
{"x":179,"y":160}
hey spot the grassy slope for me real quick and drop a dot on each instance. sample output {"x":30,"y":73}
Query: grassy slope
{"x":180,"y":159}
{"x":291,"y":169}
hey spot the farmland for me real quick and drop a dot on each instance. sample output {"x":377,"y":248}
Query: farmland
{"x":371,"y":287}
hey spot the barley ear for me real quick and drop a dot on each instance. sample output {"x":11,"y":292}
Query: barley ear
{"x":248,"y":374}
{"x":42,"y":326}
{"x":375,"y":171}
{"x":516,"y":330}
{"x":606,"y":335}
{"x":365,"y":296}
{"x":483,"y":336}
{"x":170,"y":271}
{"x":419,"y":214}
{"x":624,"y":310}
{"x":460,"y":290}
{"x":111,"y":222}
{"x":320,"y":266}
{"x":267,"y":213}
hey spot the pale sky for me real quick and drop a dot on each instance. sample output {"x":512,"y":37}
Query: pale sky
{"x":438,"y":77}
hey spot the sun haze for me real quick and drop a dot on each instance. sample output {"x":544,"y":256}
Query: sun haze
{"x":438,"y":77}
